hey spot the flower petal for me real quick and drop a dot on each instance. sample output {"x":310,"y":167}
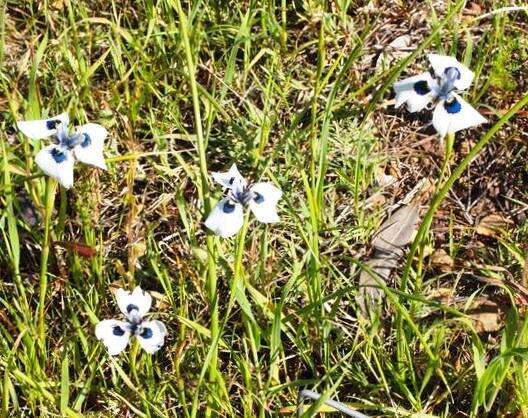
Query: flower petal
{"x":226,"y":218}
{"x":139,"y":300}
{"x":264,"y":202}
{"x":417,"y":92}
{"x":42,"y":128}
{"x":441,"y":63}
{"x":230,"y":179}
{"x":90,"y":150}
{"x":151,"y":335}
{"x":450,"y":117}
{"x":56,"y":162}
{"x":114,"y":335}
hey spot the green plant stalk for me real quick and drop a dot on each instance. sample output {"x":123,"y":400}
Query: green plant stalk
{"x":284,"y":19}
{"x":238,"y":285}
{"x":448,"y":154}
{"x":449,"y":143}
{"x":49,"y":199}
{"x":203,"y":194}
{"x":498,"y":369}
{"x":311,"y":188}
{"x":215,"y":339}
{"x":191,"y":71}
{"x":314,"y":152}
{"x":62,"y":214}
{"x":13,"y":241}
{"x":239,"y":289}
{"x":3,"y":7}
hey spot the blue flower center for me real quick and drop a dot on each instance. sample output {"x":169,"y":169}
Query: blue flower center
{"x":86,"y":140}
{"x":52,"y":124}
{"x":118,"y":331}
{"x":58,"y":155}
{"x":131,"y":307}
{"x":421,"y":87}
{"x":452,"y":106}
{"x":228,"y":207}
{"x":146,"y":333}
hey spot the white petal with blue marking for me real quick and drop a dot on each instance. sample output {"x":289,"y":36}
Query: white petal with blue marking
{"x":264,"y":202}
{"x":42,"y":128}
{"x":56,"y":162}
{"x":453,"y":116}
{"x":151,"y":335}
{"x":114,"y":334}
{"x":138,"y":300}
{"x":417,"y":92}
{"x":226,"y":218}
{"x":90,"y":150}
{"x":230,"y":179}
{"x":441,"y":63}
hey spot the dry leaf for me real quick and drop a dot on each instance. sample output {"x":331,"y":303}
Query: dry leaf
{"x":442,"y":294}
{"x":442,"y":260}
{"x":486,"y":314}
{"x":389,"y":243}
{"x":120,"y":268}
{"x":492,"y":225}
{"x":397,"y":231}
{"x":401,"y":42}
{"x":369,"y":290}
{"x":78,"y":248}
{"x":161,"y":301}
{"x":138,"y":249}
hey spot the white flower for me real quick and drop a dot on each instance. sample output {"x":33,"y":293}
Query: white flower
{"x":85,"y":144}
{"x":116,"y":334}
{"x":227,"y":216}
{"x":451,"y":112}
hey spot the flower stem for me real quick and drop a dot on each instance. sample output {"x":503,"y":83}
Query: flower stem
{"x":62,"y":214}
{"x":49,"y":199}
{"x":448,"y":154}
{"x":445,"y":172}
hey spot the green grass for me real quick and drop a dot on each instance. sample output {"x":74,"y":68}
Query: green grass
{"x":289,"y":91}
